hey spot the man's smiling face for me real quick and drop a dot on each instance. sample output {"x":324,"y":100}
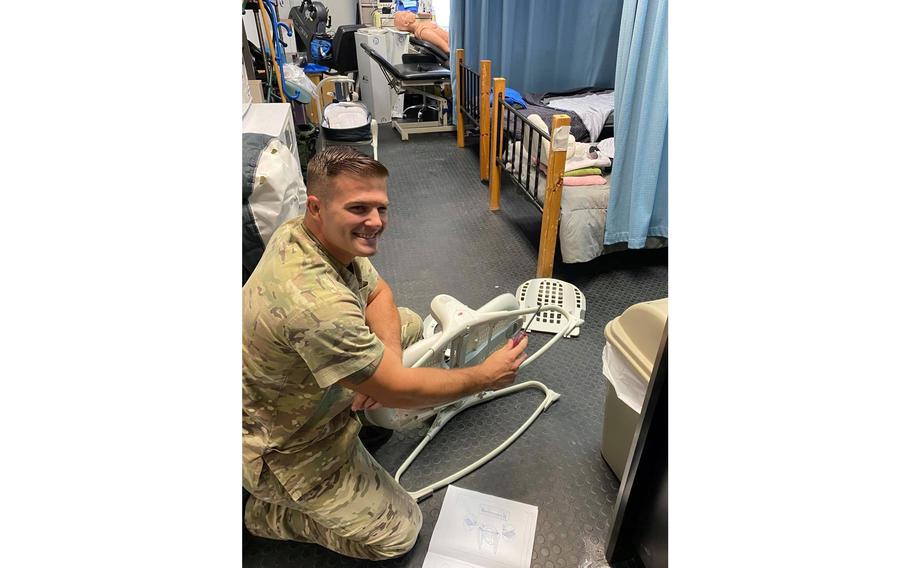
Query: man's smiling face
{"x":354,"y":216}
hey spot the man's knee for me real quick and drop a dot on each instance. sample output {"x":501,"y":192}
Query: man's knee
{"x":400,"y":541}
{"x":411,"y":327}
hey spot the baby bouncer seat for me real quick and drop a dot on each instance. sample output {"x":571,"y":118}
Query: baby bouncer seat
{"x":346,"y":122}
{"x":460,"y":337}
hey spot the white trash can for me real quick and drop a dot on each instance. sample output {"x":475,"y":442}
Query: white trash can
{"x":633,"y":339}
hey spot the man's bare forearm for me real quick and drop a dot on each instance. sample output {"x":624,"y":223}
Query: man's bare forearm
{"x":430,"y":386}
{"x":425,"y":387}
{"x":382,"y":316}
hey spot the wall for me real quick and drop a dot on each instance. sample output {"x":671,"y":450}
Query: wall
{"x":343,"y":12}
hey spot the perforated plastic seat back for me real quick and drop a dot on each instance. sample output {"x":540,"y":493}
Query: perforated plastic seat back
{"x":550,"y":291}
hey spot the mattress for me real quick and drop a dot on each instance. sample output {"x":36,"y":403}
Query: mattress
{"x":536,"y":104}
{"x":577,"y":128}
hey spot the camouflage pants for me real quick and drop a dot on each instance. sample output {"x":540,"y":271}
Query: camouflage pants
{"x":359,"y":511}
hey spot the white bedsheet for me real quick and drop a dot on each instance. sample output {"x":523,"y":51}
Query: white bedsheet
{"x":582,"y":217}
{"x":600,"y":158}
{"x":593,"y":110}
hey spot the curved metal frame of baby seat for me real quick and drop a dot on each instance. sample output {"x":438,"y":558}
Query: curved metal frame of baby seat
{"x":445,"y":413}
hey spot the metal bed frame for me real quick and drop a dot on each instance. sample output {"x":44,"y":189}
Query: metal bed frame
{"x":511,"y":136}
{"x":501,"y":130}
{"x":472,"y":94}
{"x":509,"y":128}
{"x":468,"y":93}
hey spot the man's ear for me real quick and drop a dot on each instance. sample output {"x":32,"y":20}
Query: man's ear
{"x":313,"y":206}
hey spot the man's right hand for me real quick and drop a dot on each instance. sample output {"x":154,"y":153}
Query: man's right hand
{"x":501,"y":367}
{"x":394,"y":386}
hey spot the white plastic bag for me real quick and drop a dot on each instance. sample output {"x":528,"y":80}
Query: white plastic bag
{"x":299,"y":84}
{"x":630,"y":388}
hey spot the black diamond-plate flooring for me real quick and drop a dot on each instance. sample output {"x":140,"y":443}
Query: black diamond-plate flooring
{"x":443,"y":239}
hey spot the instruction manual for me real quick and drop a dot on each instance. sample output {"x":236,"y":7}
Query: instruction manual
{"x":475,"y":530}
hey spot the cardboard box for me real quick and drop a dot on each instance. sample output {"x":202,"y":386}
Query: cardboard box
{"x":256,"y":91}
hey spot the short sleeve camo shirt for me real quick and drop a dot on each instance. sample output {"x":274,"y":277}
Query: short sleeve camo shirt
{"x":304,"y":329}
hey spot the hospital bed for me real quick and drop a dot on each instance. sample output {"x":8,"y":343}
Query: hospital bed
{"x":534,"y":159}
{"x":575,"y":217}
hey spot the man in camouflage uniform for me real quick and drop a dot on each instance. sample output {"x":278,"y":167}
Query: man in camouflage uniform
{"x":322,"y":337}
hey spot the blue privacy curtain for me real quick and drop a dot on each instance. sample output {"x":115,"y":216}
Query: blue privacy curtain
{"x":539,"y":45}
{"x":638,"y":199}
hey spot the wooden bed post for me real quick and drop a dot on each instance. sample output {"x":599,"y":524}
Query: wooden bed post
{"x":485,"y":77}
{"x":499,"y":89}
{"x":549,"y":225}
{"x":459,"y":100}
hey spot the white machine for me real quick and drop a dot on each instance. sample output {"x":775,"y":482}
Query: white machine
{"x":384,"y":103}
{"x":465,"y":337}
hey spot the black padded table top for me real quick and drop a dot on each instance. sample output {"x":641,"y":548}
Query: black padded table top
{"x":408,"y":71}
{"x":421,"y":72}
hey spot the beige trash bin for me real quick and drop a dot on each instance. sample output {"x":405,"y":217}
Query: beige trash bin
{"x":633,"y":339}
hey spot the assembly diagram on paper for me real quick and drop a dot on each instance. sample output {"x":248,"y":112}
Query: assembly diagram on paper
{"x":478,"y":530}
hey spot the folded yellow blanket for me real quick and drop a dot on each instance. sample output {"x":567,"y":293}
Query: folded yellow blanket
{"x":583,"y":172}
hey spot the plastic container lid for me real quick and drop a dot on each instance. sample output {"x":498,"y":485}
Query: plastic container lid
{"x":637,"y":333}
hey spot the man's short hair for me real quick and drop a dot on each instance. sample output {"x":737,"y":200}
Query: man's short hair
{"x":339,"y":160}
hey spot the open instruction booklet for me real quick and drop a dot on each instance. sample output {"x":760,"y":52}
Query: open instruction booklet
{"x":475,"y":530}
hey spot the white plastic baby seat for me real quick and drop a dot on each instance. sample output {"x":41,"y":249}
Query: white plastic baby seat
{"x":346,"y":115}
{"x":347,"y":123}
{"x":466,"y":337}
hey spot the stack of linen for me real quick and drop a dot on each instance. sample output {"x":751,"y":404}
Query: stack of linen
{"x":586,"y":164}
{"x":584,"y":176}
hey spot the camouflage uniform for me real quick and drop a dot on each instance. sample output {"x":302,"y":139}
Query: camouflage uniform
{"x":310,"y":478}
